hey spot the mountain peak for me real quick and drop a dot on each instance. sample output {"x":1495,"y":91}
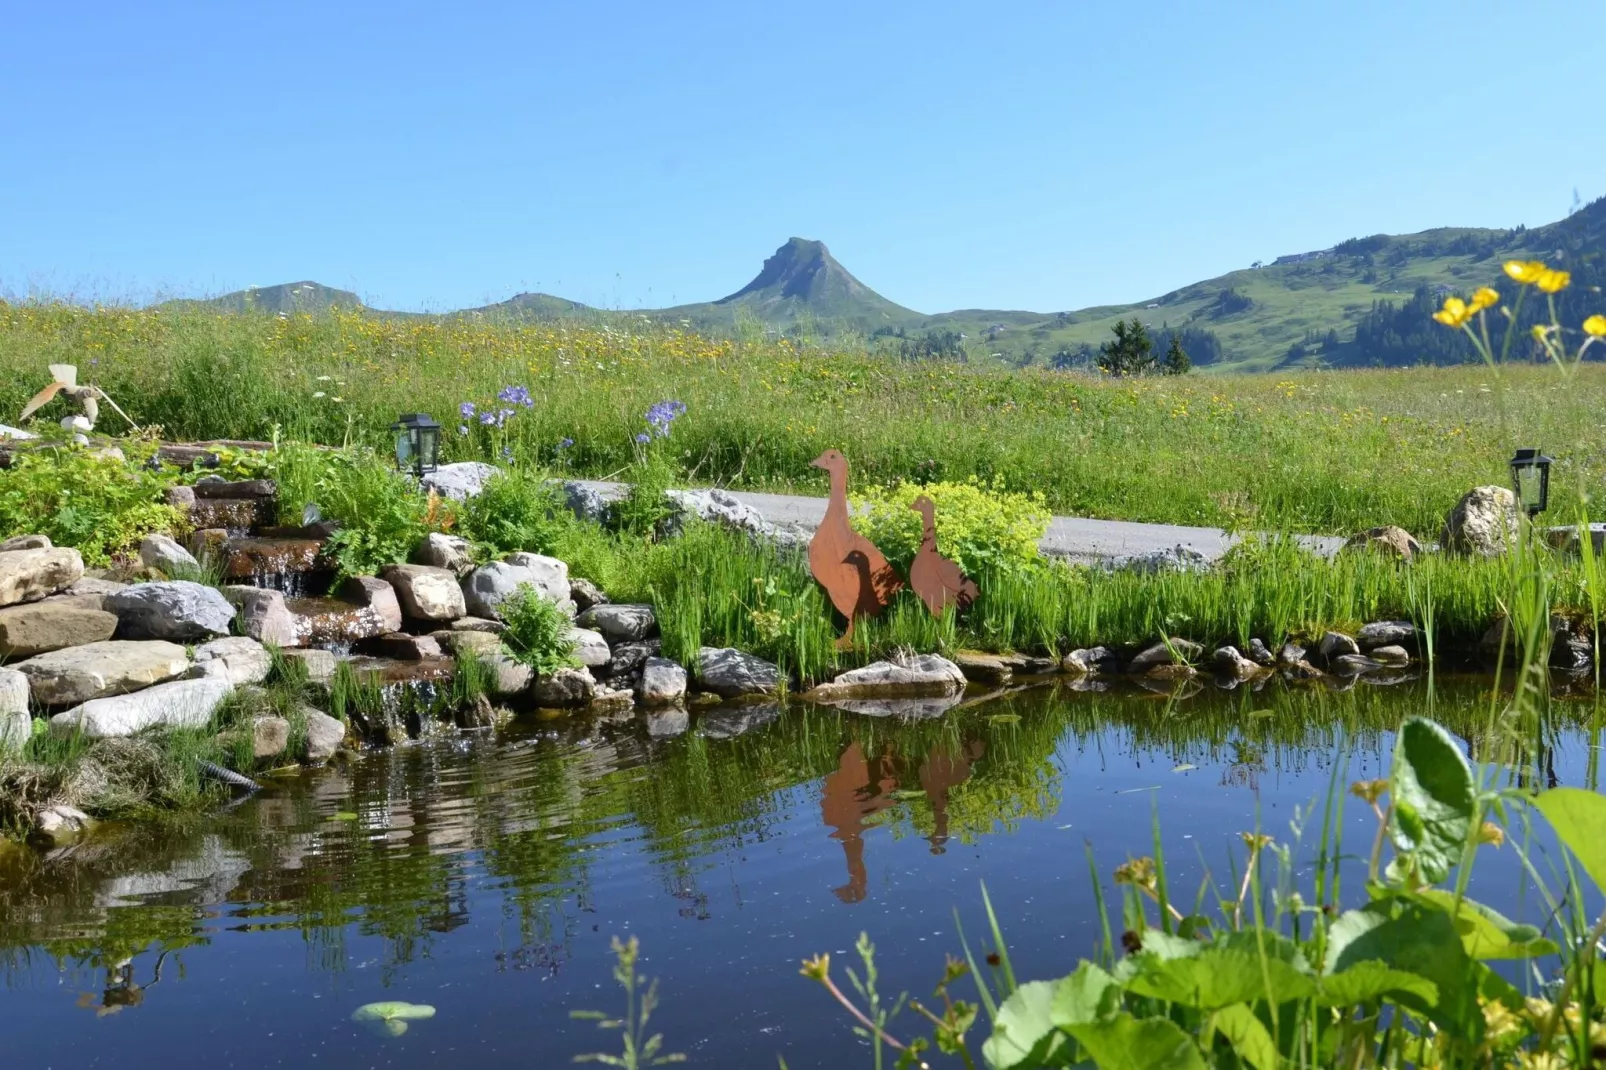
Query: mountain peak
{"x":802,"y":274}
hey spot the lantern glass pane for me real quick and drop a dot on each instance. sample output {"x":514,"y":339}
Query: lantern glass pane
{"x":404,"y":447}
{"x":1530,"y":487}
{"x":428,"y":446}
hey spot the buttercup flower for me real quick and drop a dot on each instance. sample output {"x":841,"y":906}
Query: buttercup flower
{"x":1455,"y":312}
{"x":1553,"y":281}
{"x":1526,"y":272}
{"x":1595,"y":326}
{"x":1484,"y":297}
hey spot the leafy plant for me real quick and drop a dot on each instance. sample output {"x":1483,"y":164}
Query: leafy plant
{"x":640,"y":1050}
{"x":382,"y":515}
{"x":537,"y":632}
{"x":86,"y":499}
{"x":517,"y":510}
{"x":980,"y":526}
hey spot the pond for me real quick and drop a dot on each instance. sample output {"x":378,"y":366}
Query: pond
{"x":485,"y":875}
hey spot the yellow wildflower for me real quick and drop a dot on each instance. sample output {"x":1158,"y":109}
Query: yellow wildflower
{"x":1539,"y":332}
{"x":1526,"y":272}
{"x":1454,"y":313}
{"x":1595,"y":326}
{"x":1553,"y":281}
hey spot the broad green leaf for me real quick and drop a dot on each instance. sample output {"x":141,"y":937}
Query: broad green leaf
{"x":1248,"y":1036}
{"x":392,"y":1010}
{"x":1433,"y":799}
{"x":1410,"y":936}
{"x":1485,"y":932}
{"x":1579,"y":818}
{"x":1218,"y":977}
{"x":1164,"y":945}
{"x":1024,"y":1035}
{"x":1263,"y":941}
{"x":1085,"y":996}
{"x":1125,"y":1043}
{"x":1367,"y":982}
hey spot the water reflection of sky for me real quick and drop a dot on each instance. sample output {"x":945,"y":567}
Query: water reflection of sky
{"x":486,"y":877}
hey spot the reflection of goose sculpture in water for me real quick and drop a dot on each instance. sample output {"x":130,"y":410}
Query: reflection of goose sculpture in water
{"x":937,"y":580}
{"x":853,"y":572}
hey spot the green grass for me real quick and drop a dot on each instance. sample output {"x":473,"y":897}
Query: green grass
{"x":1313,"y":452}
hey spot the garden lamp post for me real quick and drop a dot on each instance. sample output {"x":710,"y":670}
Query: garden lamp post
{"x":1530,"y":478}
{"x":418,"y":441}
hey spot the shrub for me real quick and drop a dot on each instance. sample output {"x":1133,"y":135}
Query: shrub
{"x":644,"y":509}
{"x":381,"y":513}
{"x":99,"y":504}
{"x":537,"y":632}
{"x":516,"y":511}
{"x":978,"y":526}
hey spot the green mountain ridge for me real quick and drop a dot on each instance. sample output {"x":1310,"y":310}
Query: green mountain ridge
{"x":1360,"y":302}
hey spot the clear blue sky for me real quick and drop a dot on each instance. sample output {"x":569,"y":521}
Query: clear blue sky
{"x":1014,"y":155}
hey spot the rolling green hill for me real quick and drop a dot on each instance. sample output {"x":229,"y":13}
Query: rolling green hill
{"x":1362,"y":302}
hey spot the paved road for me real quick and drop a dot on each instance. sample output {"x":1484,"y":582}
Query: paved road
{"x":1072,"y":537}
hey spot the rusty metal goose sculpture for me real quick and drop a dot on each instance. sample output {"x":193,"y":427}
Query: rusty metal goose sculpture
{"x":937,"y":580}
{"x":853,"y":572}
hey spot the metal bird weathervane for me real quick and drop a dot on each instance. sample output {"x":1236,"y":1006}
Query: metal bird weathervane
{"x":87,"y":396}
{"x":853,"y":572}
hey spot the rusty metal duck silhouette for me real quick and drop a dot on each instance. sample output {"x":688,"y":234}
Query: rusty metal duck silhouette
{"x":937,"y":580}
{"x":853,"y":572}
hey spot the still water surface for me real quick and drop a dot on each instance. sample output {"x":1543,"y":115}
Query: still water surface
{"x":485,"y":876}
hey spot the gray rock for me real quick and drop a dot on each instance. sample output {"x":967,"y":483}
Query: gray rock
{"x":237,"y":659}
{"x":52,"y":624}
{"x":78,"y":674}
{"x":320,"y":664}
{"x":1391,"y":540}
{"x":404,"y":647}
{"x":1571,"y":645}
{"x":1391,"y":655}
{"x":270,"y":737}
{"x":717,"y":507}
{"x":450,"y":552}
{"x":731,"y":673}
{"x":1259,"y":654}
{"x":174,"y":609}
{"x":1178,"y":652}
{"x":477,"y":624}
{"x":324,"y":735}
{"x":370,"y":592}
{"x":1483,"y":523}
{"x":984,"y":668}
{"x":1353,"y":664}
{"x":1386,"y":633}
{"x":25,"y":542}
{"x":1291,"y":654}
{"x":1230,"y":663}
{"x":29,"y":575}
{"x":13,"y":692}
{"x":93,"y":586}
{"x":180,"y":704}
{"x":628,"y":660}
{"x":61,"y":824}
{"x":1090,"y":662}
{"x":1336,"y":645}
{"x":468,"y":644}
{"x":662,"y":682}
{"x":585,"y":594}
{"x":263,"y":615}
{"x":181,"y":497}
{"x":240,"y":488}
{"x":620,"y":623}
{"x":16,"y":729}
{"x":488,"y":586}
{"x":551,"y":575}
{"x":1177,"y":559}
{"x":426,"y":592}
{"x":162,"y":552}
{"x":668,"y":723}
{"x":586,"y":502}
{"x":510,"y":677}
{"x":590,"y":648}
{"x":922,"y":675}
{"x":460,"y":481}
{"x":564,"y":689}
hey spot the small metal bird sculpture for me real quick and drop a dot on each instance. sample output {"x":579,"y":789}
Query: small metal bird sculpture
{"x":87,"y":397}
{"x":936,"y":579}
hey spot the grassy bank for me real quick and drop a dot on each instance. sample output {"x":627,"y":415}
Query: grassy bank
{"x":1312,"y":452}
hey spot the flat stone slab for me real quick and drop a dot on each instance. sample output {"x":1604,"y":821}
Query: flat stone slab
{"x":176,"y":609}
{"x":237,"y":659}
{"x":180,"y":704}
{"x":39,"y":627}
{"x":31,"y":574}
{"x":926,"y":675}
{"x":82,"y":673}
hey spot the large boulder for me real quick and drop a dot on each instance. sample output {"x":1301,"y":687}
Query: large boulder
{"x":237,"y":659}
{"x":460,"y":481}
{"x":731,"y":673}
{"x":620,"y":623}
{"x":81,"y":673}
{"x":590,"y":648}
{"x":175,"y":609}
{"x":325,"y":734}
{"x":164,"y":553}
{"x":372,"y":593}
{"x":1483,"y":523}
{"x":451,"y":552}
{"x":180,"y":704}
{"x":488,"y":586}
{"x":564,"y":689}
{"x":28,"y":575}
{"x":551,"y":574}
{"x":924,"y":674}
{"x":35,"y":627}
{"x":426,"y":592}
{"x":509,"y":677}
{"x":404,"y":647}
{"x":662,"y":683}
{"x":1390,"y":540}
{"x":263,"y":615}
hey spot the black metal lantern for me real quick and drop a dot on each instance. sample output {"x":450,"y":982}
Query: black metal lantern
{"x":418,"y":442}
{"x":1530,"y":478}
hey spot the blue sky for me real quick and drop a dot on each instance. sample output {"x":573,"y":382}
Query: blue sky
{"x":1019,"y":155}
